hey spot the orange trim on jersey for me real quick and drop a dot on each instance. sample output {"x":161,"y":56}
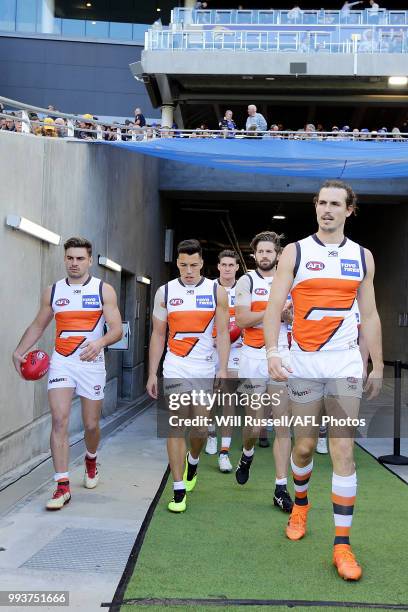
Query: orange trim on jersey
{"x":320,"y":294}
{"x":186,"y":322}
{"x":254,"y":336}
{"x":74,"y":321}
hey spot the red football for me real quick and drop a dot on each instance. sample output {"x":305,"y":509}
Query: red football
{"x":234,"y":331}
{"x":36,"y":365}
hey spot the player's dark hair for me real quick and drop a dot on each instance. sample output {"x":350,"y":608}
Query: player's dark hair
{"x":267,"y":237}
{"x":189,"y":247}
{"x":351,"y":198}
{"x":228,"y":253}
{"x":78,"y":243}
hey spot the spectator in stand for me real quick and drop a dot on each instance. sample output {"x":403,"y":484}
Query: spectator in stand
{"x":8,"y":124}
{"x":346,"y":9}
{"x":364,"y":134}
{"x":373,"y":12}
{"x":51,"y":107}
{"x":49,"y":128}
{"x":356,"y":134}
{"x":139,"y":118}
{"x":273,"y":132}
{"x":149,"y":134}
{"x":295,"y":14}
{"x":200,"y":5}
{"x":227,"y":125}
{"x":255,"y":119}
{"x":61,"y":127}
{"x":367,"y":43}
{"x":396,"y":134}
{"x":84,"y":126}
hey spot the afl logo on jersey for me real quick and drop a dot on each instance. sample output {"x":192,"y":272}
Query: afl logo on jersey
{"x":62,"y":302}
{"x":315,"y":266}
{"x":261,"y":291}
{"x":176,"y":302}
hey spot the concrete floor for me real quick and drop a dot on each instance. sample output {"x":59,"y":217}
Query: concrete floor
{"x":132,"y":462}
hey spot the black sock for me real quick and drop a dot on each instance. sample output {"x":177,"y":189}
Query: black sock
{"x":179,"y":495}
{"x":245,"y":458}
{"x":191,"y":470}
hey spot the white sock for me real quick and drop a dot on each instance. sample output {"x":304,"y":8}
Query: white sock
{"x":281,"y":481}
{"x":248,"y":453}
{"x":178,"y":485}
{"x":90,"y":455}
{"x":61,"y":476}
{"x":225,"y":442}
{"x":191,"y":459}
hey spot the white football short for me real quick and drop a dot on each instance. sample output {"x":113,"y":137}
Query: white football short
{"x":325,"y":373}
{"x":182,"y":375}
{"x":88,"y":379}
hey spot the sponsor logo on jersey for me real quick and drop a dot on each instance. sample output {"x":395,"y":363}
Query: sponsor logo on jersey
{"x":57,"y":380}
{"x":62,"y":302}
{"x":90,"y":301}
{"x":261,"y":291}
{"x":350,"y":267}
{"x":333,"y":253}
{"x":204,"y":301}
{"x":97,"y":387}
{"x":176,"y":302}
{"x":315,"y":266}
{"x":232,"y":298}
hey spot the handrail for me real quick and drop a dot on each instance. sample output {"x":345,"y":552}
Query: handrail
{"x":134,"y":132}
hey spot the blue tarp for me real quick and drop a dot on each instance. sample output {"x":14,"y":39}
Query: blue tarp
{"x":315,"y":159}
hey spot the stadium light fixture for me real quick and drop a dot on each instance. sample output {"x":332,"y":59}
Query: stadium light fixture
{"x":88,"y":4}
{"x":109,"y":263}
{"x":279,"y":217}
{"x":398,"y":80}
{"x":29,"y":227}
{"x":143,"y":279}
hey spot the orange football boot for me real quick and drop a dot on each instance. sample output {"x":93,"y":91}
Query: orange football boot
{"x":345,"y":562}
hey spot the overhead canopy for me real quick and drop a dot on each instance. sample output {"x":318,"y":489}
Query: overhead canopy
{"x":314,"y":159}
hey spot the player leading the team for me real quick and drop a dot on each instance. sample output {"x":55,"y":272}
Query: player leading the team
{"x":325,"y":274}
{"x":80,"y":303}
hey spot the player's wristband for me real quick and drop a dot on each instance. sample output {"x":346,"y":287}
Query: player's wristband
{"x":272,"y":352}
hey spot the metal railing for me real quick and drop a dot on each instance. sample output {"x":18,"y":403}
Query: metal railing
{"x":32,"y":118}
{"x":352,"y":40}
{"x":187,"y":17}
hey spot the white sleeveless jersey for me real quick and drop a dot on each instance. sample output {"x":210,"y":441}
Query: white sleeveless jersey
{"x":253,"y":336}
{"x":190,"y":317}
{"x":231,"y":305}
{"x":324,"y":290}
{"x":78,"y":311}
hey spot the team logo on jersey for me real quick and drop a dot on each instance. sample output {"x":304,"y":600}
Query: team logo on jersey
{"x":350,"y":267}
{"x":90,"y":301}
{"x":261,"y":291}
{"x":333,"y":253}
{"x":176,"y":302}
{"x":62,"y":302}
{"x":204,"y":301}
{"x":315,"y":266}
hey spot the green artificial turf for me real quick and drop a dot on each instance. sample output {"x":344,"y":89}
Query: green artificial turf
{"x":230,"y":542}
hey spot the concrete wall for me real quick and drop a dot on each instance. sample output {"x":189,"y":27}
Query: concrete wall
{"x":207,"y":63}
{"x":71,"y":188}
{"x":76,"y":77}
